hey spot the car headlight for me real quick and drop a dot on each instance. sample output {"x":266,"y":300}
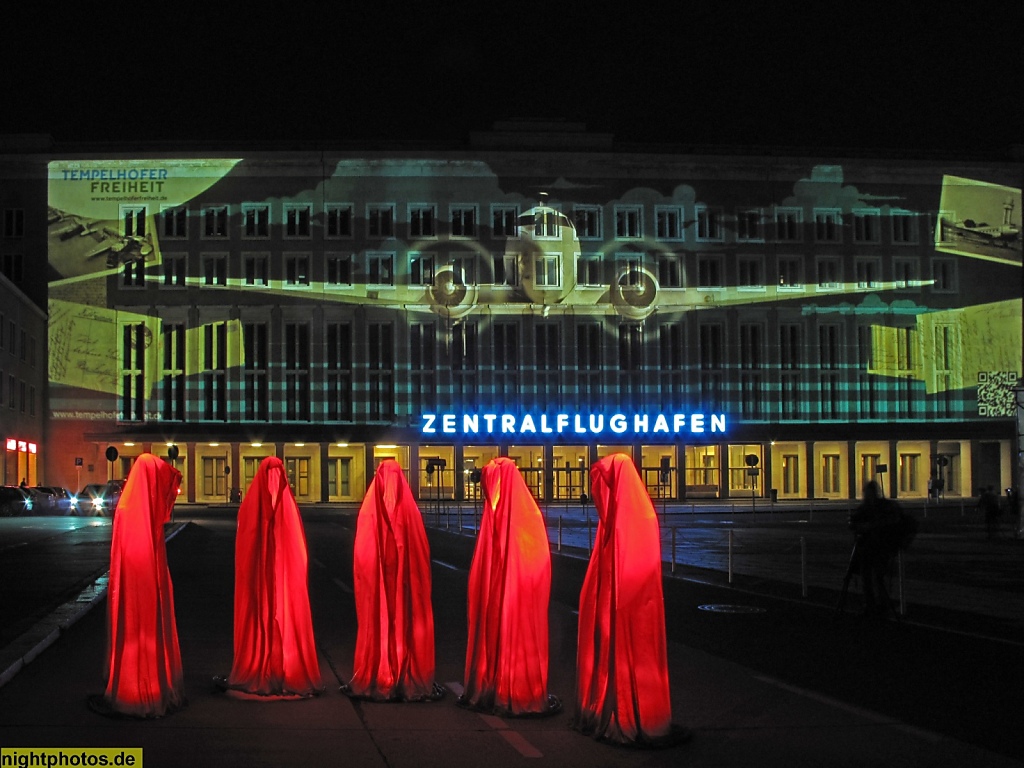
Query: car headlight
{"x":97,"y":503}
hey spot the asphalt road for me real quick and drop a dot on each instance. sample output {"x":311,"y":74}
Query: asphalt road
{"x":786,"y":683}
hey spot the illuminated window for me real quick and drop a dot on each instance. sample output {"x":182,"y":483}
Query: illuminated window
{"x":828,"y":390}
{"x":296,"y":378}
{"x":827,"y":225}
{"x":506,"y":360}
{"x":906,"y":344}
{"x":506,"y":269}
{"x":906,"y":271}
{"x":750,"y":272}
{"x":255,"y":393}
{"x":133,"y":274}
{"x":338,"y":359}
{"x":670,"y":272}
{"x":547,"y":349}
{"x":213,"y":378}
{"x":215,"y":221}
{"x":938,"y":222}
{"x":380,"y":268}
{"x":421,"y":268}
{"x":750,"y":224}
{"x":463,"y":221}
{"x":174,"y":270}
{"x":380,"y":220}
{"x":629,"y":222}
{"x":791,"y":272}
{"x":381,"y":364}
{"x":175,"y":222}
{"x":829,"y":273}
{"x":944,"y":276}
{"x":788,"y":225}
{"x":709,"y":223}
{"x":869,"y":467}
{"x":296,"y":270}
{"x":668,"y":222}
{"x":587,"y":219}
{"x":630,"y":347}
{"x":338,"y":269}
{"x":14,"y":222}
{"x":629,"y":268}
{"x":464,"y":347}
{"x":904,"y":227}
{"x":256,"y":269}
{"x":505,"y":220}
{"x":12,"y":266}
{"x":710,"y":346}
{"x":866,"y":228}
{"x":830,"y":473}
{"x":672,"y":360}
{"x":910,"y":473}
{"x":709,"y":271}
{"x":588,"y":270}
{"x":868,"y":272}
{"x":421,"y":220}
{"x":752,"y":401}
{"x":547,"y":223}
{"x":133,"y":219}
{"x":298,"y":219}
{"x":215,"y":269}
{"x":548,"y":269}
{"x":790,"y":473}
{"x":256,"y":220}
{"x":134,"y":340}
{"x":173,"y":384}
{"x":338,"y":219}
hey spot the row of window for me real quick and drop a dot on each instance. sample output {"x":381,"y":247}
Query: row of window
{"x":17,"y":341}
{"x":20,"y":396}
{"x":702,"y":270}
{"x":627,"y":222}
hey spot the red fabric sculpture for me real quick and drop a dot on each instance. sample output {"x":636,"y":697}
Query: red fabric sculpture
{"x":394,"y":658}
{"x":275,"y":652}
{"x":509,"y":589}
{"x":144,"y":676}
{"x":622,"y":686}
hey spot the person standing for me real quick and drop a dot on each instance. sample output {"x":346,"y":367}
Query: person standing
{"x":875,"y":523}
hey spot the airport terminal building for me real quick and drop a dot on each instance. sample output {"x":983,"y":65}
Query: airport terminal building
{"x":743,"y":324}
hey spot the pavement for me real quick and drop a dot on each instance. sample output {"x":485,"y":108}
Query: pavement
{"x":760,"y":674}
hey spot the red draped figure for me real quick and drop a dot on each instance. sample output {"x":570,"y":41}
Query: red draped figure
{"x":144,"y":663}
{"x":394,"y":658}
{"x":622,"y":686}
{"x":275,"y":652}
{"x":509,"y":589}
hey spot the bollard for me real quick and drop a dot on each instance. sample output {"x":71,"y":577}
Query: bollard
{"x":899,"y":571}
{"x":673,"y":550}
{"x":803,"y":566}
{"x":559,"y":533}
{"x":730,"y":555}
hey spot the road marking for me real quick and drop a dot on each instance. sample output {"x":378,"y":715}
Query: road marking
{"x":514,"y":738}
{"x":449,"y":566}
{"x":867,"y":714}
{"x":317,"y":563}
{"x":344,"y":587}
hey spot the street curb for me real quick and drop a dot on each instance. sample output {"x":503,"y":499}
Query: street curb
{"x":45,"y":632}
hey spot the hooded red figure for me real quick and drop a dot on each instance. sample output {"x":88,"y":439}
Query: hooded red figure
{"x":144,"y":676}
{"x":394,"y":658}
{"x":622,"y":686}
{"x":509,"y":589}
{"x":275,"y":652}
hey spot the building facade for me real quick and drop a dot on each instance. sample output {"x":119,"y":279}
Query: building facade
{"x":742,"y":325}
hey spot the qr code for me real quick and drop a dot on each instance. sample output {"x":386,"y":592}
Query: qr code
{"x":995,"y":393}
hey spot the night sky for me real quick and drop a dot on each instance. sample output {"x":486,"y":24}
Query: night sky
{"x":896,"y":76}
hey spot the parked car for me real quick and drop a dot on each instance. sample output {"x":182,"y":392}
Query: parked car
{"x":64,"y":501}
{"x":100,"y":499}
{"x":14,"y":501}
{"x":44,"y":500}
